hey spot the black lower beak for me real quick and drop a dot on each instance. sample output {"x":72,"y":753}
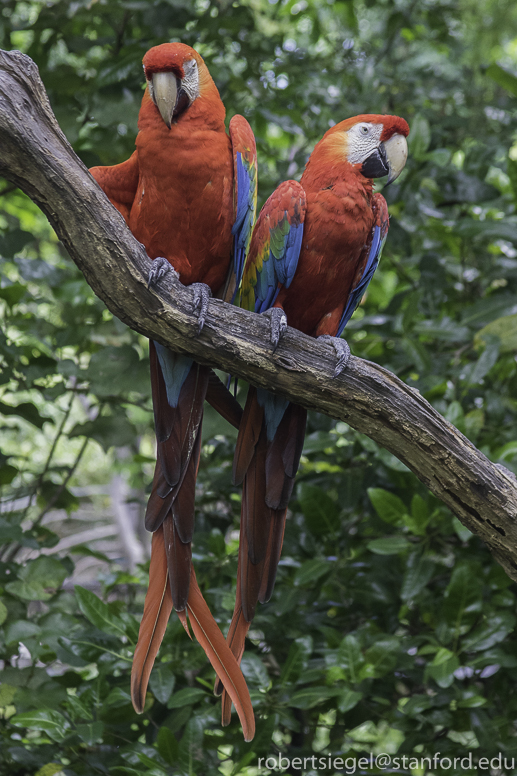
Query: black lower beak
{"x":182,"y":102}
{"x":376,"y":166}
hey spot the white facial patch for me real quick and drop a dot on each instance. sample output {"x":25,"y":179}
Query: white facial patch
{"x":190,"y":81}
{"x":363,"y":139}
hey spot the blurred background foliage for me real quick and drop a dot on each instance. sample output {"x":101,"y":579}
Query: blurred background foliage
{"x":391,"y":628}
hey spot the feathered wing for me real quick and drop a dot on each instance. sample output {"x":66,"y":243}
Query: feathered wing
{"x":272,"y":430}
{"x":275,"y":247}
{"x":245,"y":199}
{"x":369,"y":260}
{"x":119,"y":183}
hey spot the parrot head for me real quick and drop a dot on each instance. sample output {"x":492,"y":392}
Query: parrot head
{"x":176,"y":76}
{"x":376,"y":145}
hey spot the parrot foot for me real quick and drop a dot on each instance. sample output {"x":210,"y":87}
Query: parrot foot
{"x":159,"y":268}
{"x":202,"y":293}
{"x":278,"y":323}
{"x":342,"y":352}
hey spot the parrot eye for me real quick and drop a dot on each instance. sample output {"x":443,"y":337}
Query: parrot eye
{"x":364,"y":129}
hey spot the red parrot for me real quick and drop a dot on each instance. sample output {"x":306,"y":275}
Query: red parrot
{"x":188,"y":193}
{"x":314,"y":250}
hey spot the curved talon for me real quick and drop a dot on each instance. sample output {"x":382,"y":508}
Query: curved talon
{"x":159,"y":268}
{"x":202,"y":294}
{"x":278,"y":323}
{"x":342,"y":350}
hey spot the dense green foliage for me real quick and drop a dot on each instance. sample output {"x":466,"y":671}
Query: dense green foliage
{"x":391,"y":627}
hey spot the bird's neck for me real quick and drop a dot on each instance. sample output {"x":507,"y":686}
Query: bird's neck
{"x":328,"y":170}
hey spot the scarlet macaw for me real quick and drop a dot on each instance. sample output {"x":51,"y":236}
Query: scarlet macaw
{"x":188,"y":193}
{"x":314,"y":250}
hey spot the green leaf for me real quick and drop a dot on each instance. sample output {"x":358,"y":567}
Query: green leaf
{"x":10,"y":532}
{"x":512,"y":174}
{"x":112,"y":370}
{"x":51,"y":769}
{"x":390,"y":545}
{"x":350,"y":657}
{"x":20,"y":630}
{"x":494,"y":629}
{"x":161,"y":682}
{"x":28,"y":591}
{"x":348,"y":700}
{"x":13,"y":242}
{"x":25,"y":410}
{"x":417,"y":704}
{"x":55,"y":494}
{"x":167,"y":745}
{"x":254,"y":670}
{"x":98,"y":613}
{"x":79,"y":708}
{"x":312,"y":696}
{"x":462,"y":600}
{"x":504,"y":328}
{"x":502,"y":77}
{"x":419,"y":571}
{"x":420,"y":137}
{"x":7,"y":693}
{"x":381,"y":658}
{"x":46,"y":571}
{"x":40,"y":579}
{"x":91,"y":732}
{"x":7,"y":474}
{"x":388,"y":506}
{"x":297,"y":659}
{"x":442,"y":668}
{"x":320,"y":511}
{"x":310,"y":571}
{"x":188,"y":696}
{"x":191,"y":745}
{"x":3,"y":612}
{"x":107,"y":430}
{"x":52,"y":723}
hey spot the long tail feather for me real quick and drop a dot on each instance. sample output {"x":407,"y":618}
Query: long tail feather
{"x":157,"y":610}
{"x":223,"y":401}
{"x":266,"y":461}
{"x":226,"y":666}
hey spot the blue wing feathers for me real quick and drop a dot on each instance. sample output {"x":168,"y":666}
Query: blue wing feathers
{"x":243,"y":225}
{"x":279,"y":268}
{"x":369,"y":270}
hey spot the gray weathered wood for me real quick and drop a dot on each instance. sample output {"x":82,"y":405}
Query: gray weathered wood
{"x":35,"y":155}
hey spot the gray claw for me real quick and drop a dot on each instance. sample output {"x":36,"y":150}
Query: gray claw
{"x":278,"y":323}
{"x":342,"y":350}
{"x":202,"y":294}
{"x":159,"y":268}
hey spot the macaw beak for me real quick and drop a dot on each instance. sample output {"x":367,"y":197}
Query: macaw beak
{"x":396,"y":155}
{"x":165,"y":89}
{"x":388,"y":159}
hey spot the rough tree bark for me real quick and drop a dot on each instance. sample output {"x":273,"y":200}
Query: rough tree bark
{"x":35,"y":155}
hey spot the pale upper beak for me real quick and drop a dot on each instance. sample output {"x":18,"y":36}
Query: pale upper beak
{"x":396,"y":153}
{"x":165,"y":94}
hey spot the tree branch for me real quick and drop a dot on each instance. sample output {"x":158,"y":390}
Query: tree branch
{"x":37,"y":157}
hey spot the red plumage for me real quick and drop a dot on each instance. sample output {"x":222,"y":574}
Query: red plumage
{"x":178,"y":195}
{"x":344,"y":225}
